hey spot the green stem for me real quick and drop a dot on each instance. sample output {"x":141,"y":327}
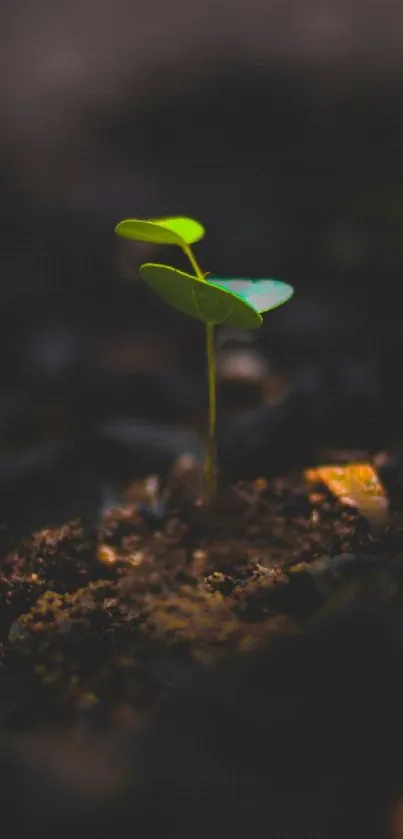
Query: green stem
{"x":210,"y":470}
{"x":210,"y":453}
{"x":192,"y":259}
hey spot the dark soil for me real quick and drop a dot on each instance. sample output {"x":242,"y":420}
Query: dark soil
{"x":99,"y":627}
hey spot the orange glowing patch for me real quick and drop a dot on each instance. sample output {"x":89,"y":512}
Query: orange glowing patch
{"x":356,"y":485}
{"x":106,"y":555}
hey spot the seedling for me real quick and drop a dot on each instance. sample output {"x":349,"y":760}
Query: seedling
{"x":214,"y":301}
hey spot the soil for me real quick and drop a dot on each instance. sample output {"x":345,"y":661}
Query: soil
{"x":99,"y":626}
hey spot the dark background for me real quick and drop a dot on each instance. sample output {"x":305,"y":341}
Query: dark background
{"x":279,"y":126}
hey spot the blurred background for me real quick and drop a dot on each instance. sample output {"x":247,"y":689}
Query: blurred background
{"x":277,"y":124}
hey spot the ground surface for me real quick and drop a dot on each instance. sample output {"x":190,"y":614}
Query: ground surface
{"x":101,"y":627}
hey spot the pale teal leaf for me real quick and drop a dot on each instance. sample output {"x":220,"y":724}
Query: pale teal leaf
{"x":262,"y":294}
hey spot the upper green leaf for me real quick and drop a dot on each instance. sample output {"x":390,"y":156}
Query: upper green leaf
{"x":199,"y":299}
{"x":262,"y":294}
{"x":172,"y":230}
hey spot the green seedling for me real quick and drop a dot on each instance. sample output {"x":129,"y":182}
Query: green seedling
{"x":235,"y":302}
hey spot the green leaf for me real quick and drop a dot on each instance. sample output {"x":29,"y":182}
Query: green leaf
{"x":172,"y":230}
{"x":262,"y":294}
{"x":199,"y":299}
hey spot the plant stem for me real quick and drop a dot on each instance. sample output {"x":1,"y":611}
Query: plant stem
{"x":209,"y":467}
{"x":192,"y":259}
{"x":210,"y":453}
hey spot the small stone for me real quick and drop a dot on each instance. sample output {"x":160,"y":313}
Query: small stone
{"x":110,"y":602}
{"x":106,"y":555}
{"x":136,"y":558}
{"x":17,"y":632}
{"x":315,"y":518}
{"x":316,"y":497}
